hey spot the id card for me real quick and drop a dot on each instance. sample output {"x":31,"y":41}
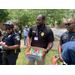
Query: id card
{"x":36,"y":38}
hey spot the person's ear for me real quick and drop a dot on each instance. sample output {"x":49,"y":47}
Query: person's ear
{"x":44,"y":21}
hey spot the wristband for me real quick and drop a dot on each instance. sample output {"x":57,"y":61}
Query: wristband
{"x":47,"y":50}
{"x":8,"y":47}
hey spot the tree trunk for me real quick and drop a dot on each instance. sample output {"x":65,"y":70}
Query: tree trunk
{"x":54,"y":24}
{"x":25,"y":23}
{"x":46,"y":19}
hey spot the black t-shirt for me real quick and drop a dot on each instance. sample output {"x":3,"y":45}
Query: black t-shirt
{"x":40,"y":37}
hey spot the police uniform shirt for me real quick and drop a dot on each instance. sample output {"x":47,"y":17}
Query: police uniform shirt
{"x":67,"y":36}
{"x":40,"y":37}
{"x":11,"y":39}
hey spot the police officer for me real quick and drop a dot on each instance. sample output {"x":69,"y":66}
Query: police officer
{"x":11,"y":48}
{"x":40,"y":36}
{"x":68,"y":35}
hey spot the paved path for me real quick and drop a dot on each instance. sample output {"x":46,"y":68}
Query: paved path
{"x":58,"y":32}
{"x":22,"y":43}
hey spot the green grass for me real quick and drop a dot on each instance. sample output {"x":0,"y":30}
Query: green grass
{"x":22,"y":60}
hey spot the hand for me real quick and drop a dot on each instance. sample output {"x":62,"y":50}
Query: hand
{"x":44,"y":53}
{"x":54,"y":60}
{"x":28,"y":46}
{"x":4,"y":46}
{"x":61,"y":58}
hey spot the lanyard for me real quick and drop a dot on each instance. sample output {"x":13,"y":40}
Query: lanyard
{"x":71,"y":36}
{"x":38,"y":31}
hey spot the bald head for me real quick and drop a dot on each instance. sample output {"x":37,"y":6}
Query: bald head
{"x":43,"y":16}
{"x":71,"y":20}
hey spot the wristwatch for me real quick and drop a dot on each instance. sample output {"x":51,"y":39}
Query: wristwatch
{"x":47,"y":50}
{"x":8,"y":47}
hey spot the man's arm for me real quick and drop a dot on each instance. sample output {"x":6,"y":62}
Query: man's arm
{"x":1,"y":37}
{"x":59,"y":48}
{"x":50,"y":45}
{"x":48,"y":48}
{"x":26,"y":29}
{"x":11,"y":47}
{"x":28,"y":41}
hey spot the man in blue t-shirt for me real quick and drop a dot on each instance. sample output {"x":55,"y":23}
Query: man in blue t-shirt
{"x":68,"y":53}
{"x":25,"y":33}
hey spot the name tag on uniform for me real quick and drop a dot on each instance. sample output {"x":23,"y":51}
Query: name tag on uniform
{"x":35,"y":38}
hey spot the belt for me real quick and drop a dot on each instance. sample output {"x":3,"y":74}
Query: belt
{"x":7,"y":52}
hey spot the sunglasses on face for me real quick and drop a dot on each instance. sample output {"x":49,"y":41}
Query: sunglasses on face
{"x":69,"y":24}
{"x":8,"y":29}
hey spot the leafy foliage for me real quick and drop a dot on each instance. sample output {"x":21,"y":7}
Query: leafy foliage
{"x":29,"y":16}
{"x":3,"y":15}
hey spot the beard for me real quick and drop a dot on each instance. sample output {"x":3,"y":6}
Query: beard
{"x":40,"y":25}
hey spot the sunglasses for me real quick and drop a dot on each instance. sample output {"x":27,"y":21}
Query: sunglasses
{"x":69,"y":24}
{"x":8,"y":29}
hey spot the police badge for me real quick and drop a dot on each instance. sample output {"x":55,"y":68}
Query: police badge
{"x":42,"y":34}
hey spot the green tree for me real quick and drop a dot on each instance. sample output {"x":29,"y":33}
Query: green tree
{"x":29,"y":16}
{"x":59,"y":21}
{"x":3,"y":15}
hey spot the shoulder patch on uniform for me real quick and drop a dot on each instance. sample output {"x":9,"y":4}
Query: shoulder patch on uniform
{"x":34,"y":31}
{"x":17,"y":38}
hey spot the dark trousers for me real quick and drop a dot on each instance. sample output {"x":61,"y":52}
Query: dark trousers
{"x":1,"y":63}
{"x":10,"y":59}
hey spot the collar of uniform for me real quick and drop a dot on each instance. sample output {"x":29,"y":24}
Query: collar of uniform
{"x":70,"y":33}
{"x":67,"y":32}
{"x":40,"y":28}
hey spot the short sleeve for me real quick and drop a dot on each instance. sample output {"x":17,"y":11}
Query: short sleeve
{"x":61,"y":39}
{"x":30,"y":32}
{"x":50,"y":36}
{"x":16,"y":40}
